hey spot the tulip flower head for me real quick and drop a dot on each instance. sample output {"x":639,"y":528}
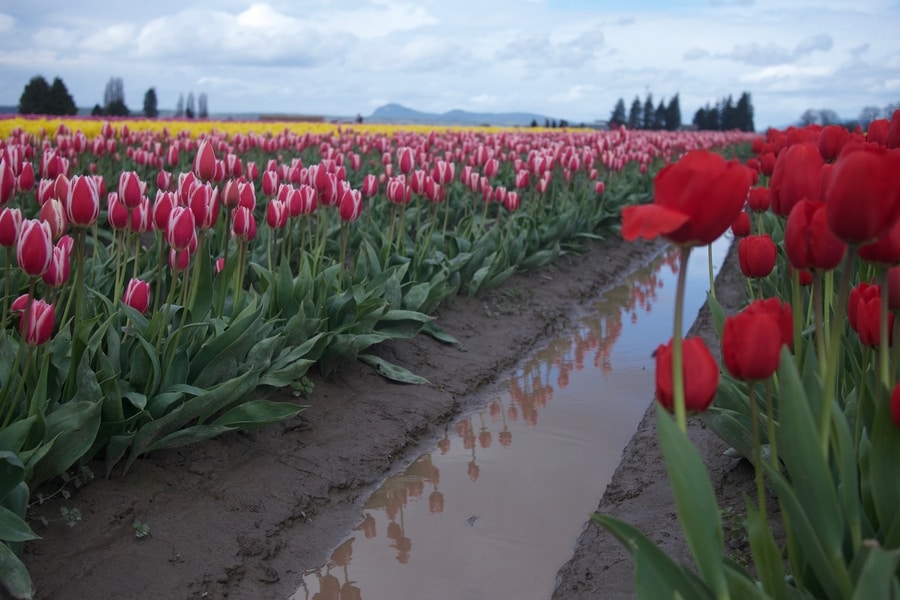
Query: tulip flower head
{"x":695,"y":200}
{"x":137,"y":295}
{"x":34,"y":249}
{"x":701,"y":375}
{"x":36,"y":322}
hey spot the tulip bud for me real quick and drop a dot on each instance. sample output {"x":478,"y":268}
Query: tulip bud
{"x":130,"y":189}
{"x":405,"y":160}
{"x":276,"y":213}
{"x":205,"y":162}
{"x":137,"y":295}
{"x":351,"y":205}
{"x":242,"y":222}
{"x":57,"y":273}
{"x":181,"y":228}
{"x":54,"y":213}
{"x":10,"y":223}
{"x":701,"y":375}
{"x":179,"y":260}
{"x":25,"y":179}
{"x":36,"y":323}
{"x":34,"y":249}
{"x":83,"y":201}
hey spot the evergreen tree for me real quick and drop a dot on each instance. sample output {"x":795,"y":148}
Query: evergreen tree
{"x":33,"y":100}
{"x":673,"y":114}
{"x":649,"y":112}
{"x":114,"y":98}
{"x":202,"y":107}
{"x":618,"y":116}
{"x":189,"y":110}
{"x":634,"y":115}
{"x":659,"y":117}
{"x":59,"y":101}
{"x":150,"y":108}
{"x":534,"y":122}
{"x":727,"y":115}
{"x":97,"y":111}
{"x":179,"y":106}
{"x":744,"y":113}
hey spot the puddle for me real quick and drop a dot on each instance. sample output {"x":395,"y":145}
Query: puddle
{"x":494,"y":510}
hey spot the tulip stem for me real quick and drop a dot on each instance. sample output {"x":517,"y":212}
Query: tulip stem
{"x":757,"y":451}
{"x":7,"y":274}
{"x":837,"y":326}
{"x":884,"y":368}
{"x":677,"y":356}
{"x":770,"y":422}
{"x":798,"y":325}
{"x":818,"y":308}
{"x":712,"y":276}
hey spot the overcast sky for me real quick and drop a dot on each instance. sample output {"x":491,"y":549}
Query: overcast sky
{"x":569,"y":59}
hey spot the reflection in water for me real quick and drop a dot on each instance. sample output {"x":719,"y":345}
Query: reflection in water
{"x":511,"y":517}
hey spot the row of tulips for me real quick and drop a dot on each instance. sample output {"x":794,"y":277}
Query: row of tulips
{"x":808,"y":392}
{"x":144,"y":324}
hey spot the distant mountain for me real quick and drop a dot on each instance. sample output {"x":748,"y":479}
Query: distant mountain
{"x":397,"y":113}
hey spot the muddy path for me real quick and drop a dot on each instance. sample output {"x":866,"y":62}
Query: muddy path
{"x":244,"y":515}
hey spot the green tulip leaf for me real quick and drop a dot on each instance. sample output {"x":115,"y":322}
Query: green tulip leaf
{"x":258,"y":413}
{"x":766,"y":555}
{"x":12,"y":473}
{"x":14,"y":578}
{"x":656,"y":575}
{"x":695,"y":500}
{"x":71,"y":429}
{"x":13,"y":528}
{"x":392,"y":371}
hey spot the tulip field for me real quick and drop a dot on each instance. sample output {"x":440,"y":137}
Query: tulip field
{"x":159,"y":277}
{"x":162,"y":278}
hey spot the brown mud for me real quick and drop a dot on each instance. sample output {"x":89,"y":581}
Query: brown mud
{"x":244,"y":515}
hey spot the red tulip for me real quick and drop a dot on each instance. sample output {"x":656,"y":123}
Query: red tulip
{"x":116,"y":212}
{"x":44,"y":191}
{"x":751,"y":345}
{"x":406,"y":161}
{"x":351,"y":205}
{"x":370,"y":185}
{"x":7,"y":181}
{"x":205,"y":161}
{"x":895,"y":405}
{"x":756,"y":254}
{"x":162,"y":209}
{"x":695,"y":200}
{"x":759,"y":199}
{"x":10,"y":224}
{"x":782,"y":313}
{"x":491,"y":166}
{"x":862,"y":199}
{"x":893,"y":140}
{"x":181,"y":228}
{"x":164,"y":180}
{"x":599,"y":187}
{"x":172,"y":155}
{"x":832,"y":140}
{"x":862,"y":293}
{"x":179,"y":260}
{"x":701,"y":375}
{"x":25,"y":179}
{"x":204,"y":203}
{"x":141,"y":219}
{"x":34,"y":249}
{"x":130,"y":189}
{"x":242,"y":223}
{"x":741,"y":226}
{"x":443,"y":172}
{"x":82,"y":201}
{"x":797,"y":175}
{"x":767,"y":163}
{"x":269,"y":183}
{"x":884,"y":251}
{"x":276,"y":213}
{"x":57,"y":274}
{"x":512,"y":201}
{"x":808,"y":242}
{"x":36,"y":322}
{"x":868,"y":318}
{"x":878,"y":132}
{"x":137,"y":295}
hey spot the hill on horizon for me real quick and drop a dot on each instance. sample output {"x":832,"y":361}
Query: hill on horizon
{"x":397,"y":113}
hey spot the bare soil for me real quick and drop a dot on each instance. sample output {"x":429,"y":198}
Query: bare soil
{"x":244,"y":515}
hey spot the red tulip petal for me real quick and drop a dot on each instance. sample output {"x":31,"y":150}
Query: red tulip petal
{"x":649,"y":221}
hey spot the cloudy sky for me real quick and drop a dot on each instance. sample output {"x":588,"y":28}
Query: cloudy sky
{"x":569,"y":59}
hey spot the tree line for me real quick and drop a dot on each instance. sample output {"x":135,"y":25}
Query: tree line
{"x":725,"y":115}
{"x":40,"y":98}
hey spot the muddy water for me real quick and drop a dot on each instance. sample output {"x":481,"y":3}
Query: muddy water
{"x":494,"y":509}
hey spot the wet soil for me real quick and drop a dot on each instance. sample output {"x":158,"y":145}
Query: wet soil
{"x":244,"y":515}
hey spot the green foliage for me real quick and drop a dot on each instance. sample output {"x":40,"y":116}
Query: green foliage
{"x":41,"y":98}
